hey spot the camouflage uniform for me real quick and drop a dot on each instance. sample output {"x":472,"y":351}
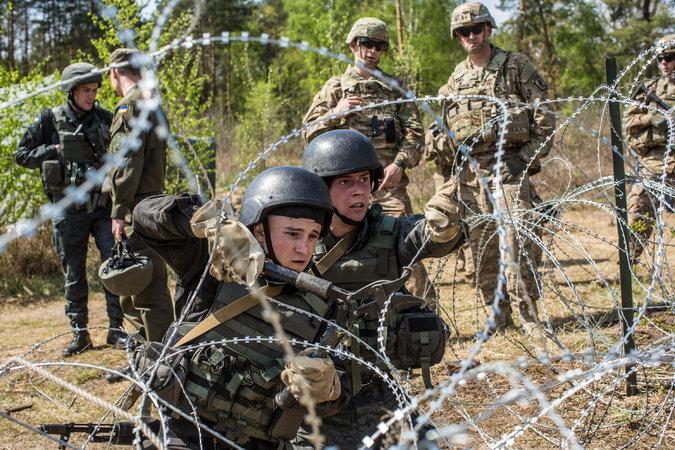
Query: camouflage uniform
{"x":71,"y":229}
{"x":395,"y":130}
{"x":647,"y":134}
{"x":510,"y":76}
{"x":142,"y":175}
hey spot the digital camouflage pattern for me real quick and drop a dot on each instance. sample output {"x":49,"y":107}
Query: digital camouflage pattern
{"x":468,"y":14}
{"x":369,"y":27}
{"x":667,"y":42}
{"x":647,"y":133}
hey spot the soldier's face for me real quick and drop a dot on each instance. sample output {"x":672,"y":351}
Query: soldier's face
{"x":84,"y":96}
{"x":666,"y":66}
{"x":293,"y":239}
{"x":350,"y":195}
{"x":370,"y":57}
{"x":475,"y":40}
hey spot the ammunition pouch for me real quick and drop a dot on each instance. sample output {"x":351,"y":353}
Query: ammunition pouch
{"x":53,"y":176}
{"x":421,"y":340}
{"x":170,"y":373}
{"x":76,"y":158}
{"x":482,"y":119}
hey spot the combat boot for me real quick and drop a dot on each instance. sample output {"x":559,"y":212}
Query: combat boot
{"x":112,"y":377}
{"x":80,"y":343}
{"x":503,"y":320}
{"x":117,"y":338}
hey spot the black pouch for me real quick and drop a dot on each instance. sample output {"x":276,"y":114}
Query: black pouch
{"x":421,"y":341}
{"x":53,"y":176}
{"x":171,"y":369}
{"x":390,"y":129}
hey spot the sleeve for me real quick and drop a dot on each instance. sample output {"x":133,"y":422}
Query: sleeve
{"x":439,"y":146}
{"x":124,"y":181}
{"x":412,"y":139}
{"x":411,"y":237}
{"x":321,"y":110}
{"x":542,"y":123}
{"x":33,"y":149}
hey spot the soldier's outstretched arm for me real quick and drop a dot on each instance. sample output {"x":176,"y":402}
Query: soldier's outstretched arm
{"x":320,"y":112}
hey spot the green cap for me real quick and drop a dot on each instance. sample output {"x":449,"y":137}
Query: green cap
{"x":121,"y":56}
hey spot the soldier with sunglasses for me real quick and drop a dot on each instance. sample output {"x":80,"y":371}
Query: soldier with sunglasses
{"x":395,"y":129}
{"x":648,"y":134}
{"x":476,"y":120}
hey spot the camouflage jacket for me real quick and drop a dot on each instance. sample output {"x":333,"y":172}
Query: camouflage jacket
{"x":477,"y":121}
{"x":646,"y":129}
{"x":143,"y":173}
{"x":395,"y":130}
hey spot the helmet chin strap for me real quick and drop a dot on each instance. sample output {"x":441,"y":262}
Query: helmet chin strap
{"x":347,"y":220}
{"x":268,"y":241}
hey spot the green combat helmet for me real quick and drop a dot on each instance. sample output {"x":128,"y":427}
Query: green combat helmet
{"x":369,"y":27}
{"x":124,"y":273}
{"x":667,"y":44}
{"x":468,"y":14}
{"x":77,"y":70}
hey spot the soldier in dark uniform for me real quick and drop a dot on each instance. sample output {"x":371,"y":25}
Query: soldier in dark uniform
{"x":64,"y":143}
{"x":142,"y":175}
{"x":285,"y":211}
{"x":365,"y":245}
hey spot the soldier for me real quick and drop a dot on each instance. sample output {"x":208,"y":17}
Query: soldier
{"x":64,"y":143}
{"x":365,"y":245}
{"x":142,"y":175}
{"x":510,"y":76}
{"x":284,"y":212}
{"x":395,"y":129}
{"x":648,"y":134}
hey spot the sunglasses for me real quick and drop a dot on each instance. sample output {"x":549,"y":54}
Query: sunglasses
{"x":667,"y":58}
{"x":369,"y":43}
{"x":476,"y":30}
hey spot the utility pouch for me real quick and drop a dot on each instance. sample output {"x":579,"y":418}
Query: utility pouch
{"x":421,"y":341}
{"x":287,"y":421}
{"x":75,"y":148}
{"x":171,"y":370}
{"x":53,"y":176}
{"x":375,"y":126}
{"x":390,"y":129}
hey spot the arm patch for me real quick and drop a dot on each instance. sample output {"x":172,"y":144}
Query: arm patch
{"x":538,"y":81}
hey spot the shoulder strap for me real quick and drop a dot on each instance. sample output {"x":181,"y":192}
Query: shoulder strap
{"x":337,"y":251}
{"x":47,"y":123}
{"x":226,"y":313}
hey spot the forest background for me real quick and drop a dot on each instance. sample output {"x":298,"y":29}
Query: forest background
{"x":247,"y":95}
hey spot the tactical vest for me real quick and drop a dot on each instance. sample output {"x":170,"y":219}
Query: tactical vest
{"x":233,"y":385}
{"x":480,"y":118}
{"x":653,"y":138}
{"x":79,"y":151}
{"x":380,"y":124}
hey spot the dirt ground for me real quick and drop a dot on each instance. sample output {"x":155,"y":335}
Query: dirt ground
{"x":576,"y":308}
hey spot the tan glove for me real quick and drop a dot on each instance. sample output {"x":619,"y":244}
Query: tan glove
{"x":316,"y":376}
{"x":442,"y":214}
{"x":237,"y":255}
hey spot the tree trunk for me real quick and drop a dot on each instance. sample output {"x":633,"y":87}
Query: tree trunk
{"x":399,"y":28}
{"x":550,"y":50}
{"x":521,"y":28}
{"x":10,"y":36}
{"x":646,"y":14}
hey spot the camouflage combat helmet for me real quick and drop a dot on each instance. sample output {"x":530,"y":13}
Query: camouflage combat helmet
{"x":667,"y":44}
{"x":77,"y":70}
{"x":469,"y":13}
{"x":340,"y":152}
{"x":369,"y":27}
{"x":125,"y":273}
{"x":287,"y":191}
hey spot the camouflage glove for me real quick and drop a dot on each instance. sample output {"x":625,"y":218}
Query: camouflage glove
{"x":512,"y":169}
{"x":237,"y":255}
{"x":442,"y":214}
{"x":315,"y":376}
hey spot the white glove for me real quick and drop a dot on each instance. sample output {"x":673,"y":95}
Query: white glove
{"x":237,"y":255}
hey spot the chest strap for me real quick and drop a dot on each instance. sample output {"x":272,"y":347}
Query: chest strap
{"x":226,"y":313}
{"x":337,"y":251}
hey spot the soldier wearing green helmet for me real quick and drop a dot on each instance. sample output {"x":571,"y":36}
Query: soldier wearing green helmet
{"x":64,"y":143}
{"x":394,"y":129}
{"x":475,"y":120}
{"x":648,"y":134}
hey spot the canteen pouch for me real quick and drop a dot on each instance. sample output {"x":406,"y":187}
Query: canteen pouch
{"x":421,"y":341}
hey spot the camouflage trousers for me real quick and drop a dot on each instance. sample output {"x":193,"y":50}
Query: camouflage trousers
{"x":355,"y":421}
{"x":643,"y":205}
{"x":70,"y":236}
{"x":150,"y":311}
{"x":520,"y":265}
{"x":396,"y":202}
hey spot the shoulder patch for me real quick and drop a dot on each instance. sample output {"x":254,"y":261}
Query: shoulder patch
{"x":122,"y":109}
{"x":36,"y":118}
{"x":538,"y":81}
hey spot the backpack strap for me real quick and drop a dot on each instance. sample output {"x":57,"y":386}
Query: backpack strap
{"x":47,"y":123}
{"x":337,"y":251}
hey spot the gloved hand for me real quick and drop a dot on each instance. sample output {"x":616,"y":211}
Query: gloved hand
{"x":316,"y":376}
{"x":512,"y":168}
{"x":442,"y":214}
{"x":237,"y":255}
{"x":659,"y":121}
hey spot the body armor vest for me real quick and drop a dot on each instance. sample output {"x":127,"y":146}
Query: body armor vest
{"x":380,"y":124}
{"x":651,"y":137}
{"x":233,"y":385}
{"x":480,"y":118}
